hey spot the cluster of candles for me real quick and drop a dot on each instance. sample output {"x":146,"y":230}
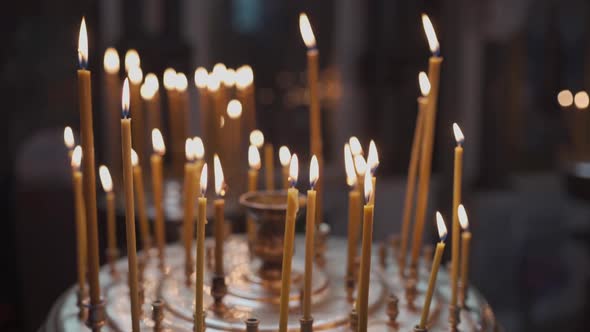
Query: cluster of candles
{"x":360,"y":176}
{"x":576,"y":119}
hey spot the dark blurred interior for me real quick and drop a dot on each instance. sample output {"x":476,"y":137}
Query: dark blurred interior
{"x":504,"y":64}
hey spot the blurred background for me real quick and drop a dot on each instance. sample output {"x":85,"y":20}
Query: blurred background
{"x":527,"y":157}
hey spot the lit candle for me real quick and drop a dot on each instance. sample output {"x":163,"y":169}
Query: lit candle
{"x":354,"y":212}
{"x":200,"y":259}
{"x":360,"y":164}
{"x":413,"y":168}
{"x":465,"y":251}
{"x":190,"y":175}
{"x":151,"y":97}
{"x":456,"y":201}
{"x":219,"y":207}
{"x":129,"y":208}
{"x":135,"y":75}
{"x":315,"y":117}
{"x":245,"y":91}
{"x":235,"y":150}
{"x":69,"y":141}
{"x":107,"y":186}
{"x":372,"y":164}
{"x":309,"y":236}
{"x":269,"y":166}
{"x":285,"y":158}
{"x":88,"y":166}
{"x":175,"y":133}
{"x":427,"y":143}
{"x":365,"y":267}
{"x":80,"y":218}
{"x":111,"y":113}
{"x":144,"y":227}
{"x":440,"y":247}
{"x":157,"y":189}
{"x":254,"y":163}
{"x":292,"y":207}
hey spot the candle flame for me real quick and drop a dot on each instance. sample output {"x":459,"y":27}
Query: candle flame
{"x":134,"y":158}
{"x":135,"y":75}
{"x":146,"y":91}
{"x":105,"y":178}
{"x":76,"y":157}
{"x":284,"y":156}
{"x":199,"y":147}
{"x":293,"y":170}
{"x":69,"y":138}
{"x":424,"y":83}
{"x":257,"y":138}
{"x":372,"y":158}
{"x":125,"y":99}
{"x":219,"y":70}
{"x":458,"y":134}
{"x":565,"y":98}
{"x":229,"y":78}
{"x":213,"y":82}
{"x":83,"y":45}
{"x":253,"y":157}
{"x":181,"y":82}
{"x":158,"y":142}
{"x":203,"y":179}
{"x":306,"y":31}
{"x":355,"y":146}
{"x":131,"y":59}
{"x":219,"y":178}
{"x":581,"y":100}
{"x":201,"y":77}
{"x":440,"y":225}
{"x":244,"y":77}
{"x":349,"y":166}
{"x":430,"y":35}
{"x":152,"y":81}
{"x":234,"y":109}
{"x":368,"y":187}
{"x":314,"y":171}
{"x":189,"y":151}
{"x":360,"y":164}
{"x":169,"y":79}
{"x":111,"y":62}
{"x":463,"y":220}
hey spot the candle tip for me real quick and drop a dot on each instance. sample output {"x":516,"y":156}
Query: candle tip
{"x":373,"y":158}
{"x":424,"y":83}
{"x":83,"y":45}
{"x":158,"y":142}
{"x":431,"y":35}
{"x":351,"y":177}
{"x":355,"y":146}
{"x":199,"y":147}
{"x":125,"y":99}
{"x":565,"y":98}
{"x":463,"y":220}
{"x":244,"y":77}
{"x":76,"y":157}
{"x":253,"y":157}
{"x":201,"y":77}
{"x":132,"y":59}
{"x":181,"y":82}
{"x":105,"y":178}
{"x":111,"y":62}
{"x":314,"y":171}
{"x":203,"y":180}
{"x":135,"y":75}
{"x":257,"y":138}
{"x":220,"y":185}
{"x":306,"y":31}
{"x":169,"y":79}
{"x":234,"y":109}
{"x":368,"y":187}
{"x":284,"y":156}
{"x":581,"y":100}
{"x":69,"y":138}
{"x":134,"y":158}
{"x":293,"y":170}
{"x":440,"y":225}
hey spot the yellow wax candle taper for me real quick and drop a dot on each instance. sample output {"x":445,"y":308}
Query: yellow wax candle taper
{"x":151,"y":98}
{"x":219,"y":206}
{"x":365,"y":267}
{"x":465,"y":251}
{"x":189,"y":195}
{"x":129,"y":209}
{"x":107,"y":186}
{"x":372,"y":164}
{"x":157,"y":189}
{"x":440,"y":247}
{"x":112,"y":91}
{"x":284,"y":158}
{"x":235,"y":150}
{"x":292,"y":207}
{"x":254,"y":163}
{"x":144,"y":226}
{"x":269,"y":166}
{"x":315,"y":117}
{"x":310,"y":237}
{"x":200,"y":256}
{"x":88,"y":166}
{"x":135,"y":75}
{"x":434,"y":64}
{"x":413,"y":169}
{"x":458,"y":171}
{"x":354,"y":212}
{"x":80,"y":219}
